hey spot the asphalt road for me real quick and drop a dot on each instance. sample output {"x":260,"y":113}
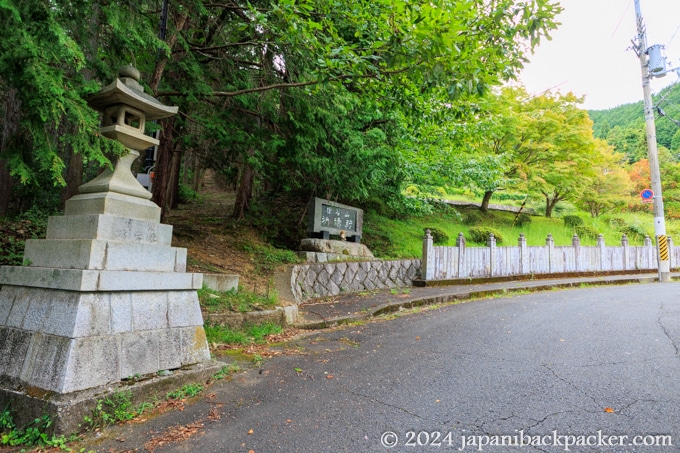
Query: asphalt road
{"x":545,"y":369}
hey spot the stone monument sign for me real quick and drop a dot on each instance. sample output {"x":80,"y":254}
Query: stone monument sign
{"x":330,"y":218}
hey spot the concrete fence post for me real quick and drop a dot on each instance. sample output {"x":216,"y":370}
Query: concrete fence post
{"x":550,"y":242}
{"x":576,"y":243}
{"x":523,"y":255}
{"x":427,"y":263}
{"x":491,"y":243}
{"x":649,"y":253}
{"x":603,"y":251}
{"x":624,"y":244}
{"x":460,"y":243}
{"x":669,"y":240}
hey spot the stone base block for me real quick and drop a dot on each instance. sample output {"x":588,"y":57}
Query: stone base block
{"x":108,"y":228}
{"x":114,"y":204}
{"x":349,"y":249}
{"x":220,"y":282}
{"x":104,"y":255}
{"x":54,"y":341}
{"x":67,"y":411}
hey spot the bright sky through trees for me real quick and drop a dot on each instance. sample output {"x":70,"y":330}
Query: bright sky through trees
{"x":590,"y":56}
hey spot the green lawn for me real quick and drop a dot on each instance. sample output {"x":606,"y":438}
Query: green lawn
{"x":390,"y":238}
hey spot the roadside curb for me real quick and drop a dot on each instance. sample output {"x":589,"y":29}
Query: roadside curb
{"x":416,"y":301}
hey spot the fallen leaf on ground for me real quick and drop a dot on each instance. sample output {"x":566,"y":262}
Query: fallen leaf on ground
{"x":250,"y":431}
{"x":608,"y":410}
{"x":173,"y":434}
{"x":214,"y":414}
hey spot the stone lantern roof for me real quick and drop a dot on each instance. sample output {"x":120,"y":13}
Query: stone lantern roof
{"x":127,"y":90}
{"x":126,"y":108}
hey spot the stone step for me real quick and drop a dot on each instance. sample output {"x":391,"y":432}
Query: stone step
{"x":98,"y":280}
{"x":108,"y":227}
{"x":104,"y":255}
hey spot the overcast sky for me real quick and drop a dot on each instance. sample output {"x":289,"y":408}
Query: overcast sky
{"x":589,"y":54}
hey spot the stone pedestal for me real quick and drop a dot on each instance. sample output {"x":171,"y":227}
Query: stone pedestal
{"x":324,"y":250}
{"x":102,"y":298}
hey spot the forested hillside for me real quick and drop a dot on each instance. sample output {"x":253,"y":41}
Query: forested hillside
{"x":623,"y":124}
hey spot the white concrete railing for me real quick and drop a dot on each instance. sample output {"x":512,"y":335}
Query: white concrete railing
{"x":448,"y":263}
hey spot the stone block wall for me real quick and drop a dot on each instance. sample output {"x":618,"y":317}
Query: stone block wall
{"x":330,"y":279}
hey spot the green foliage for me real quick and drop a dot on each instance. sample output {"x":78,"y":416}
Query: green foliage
{"x":480,"y":235}
{"x":236,"y":300}
{"x":572,"y":221}
{"x":280,"y":219}
{"x":115,"y":409}
{"x":253,"y":334}
{"x":623,"y":126}
{"x":585,"y":231}
{"x":269,"y":258}
{"x":187,"y":194}
{"x":43,"y":65}
{"x":438,"y":236}
{"x":377,"y":240}
{"x":523,"y":220}
{"x":226,"y":371}
{"x":634,"y":231}
{"x":471,"y":217}
{"x":304,"y":96}
{"x":617,"y":222}
{"x":35,"y":434}
{"x":15,"y":232}
{"x":187,"y":391}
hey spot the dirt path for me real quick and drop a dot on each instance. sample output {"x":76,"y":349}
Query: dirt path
{"x":214,"y":242}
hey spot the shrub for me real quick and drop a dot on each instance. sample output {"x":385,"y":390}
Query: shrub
{"x":377,"y":241}
{"x":412,"y":191}
{"x":634,"y":231}
{"x":187,"y":194}
{"x":472,"y":217}
{"x":523,"y":220}
{"x":585,"y":231}
{"x":572,"y":221}
{"x":479,"y":235}
{"x":438,"y":236}
{"x":617,"y":222}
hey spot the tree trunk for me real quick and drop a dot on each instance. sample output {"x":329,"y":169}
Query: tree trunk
{"x":244,"y":192}
{"x":73,"y":177}
{"x":521,"y":208}
{"x":10,"y":131}
{"x":485,"y":201}
{"x":163,"y":170}
{"x":173,"y":184}
{"x":550,"y":204}
{"x":5,"y":188}
{"x":160,"y":64}
{"x":198,"y":177}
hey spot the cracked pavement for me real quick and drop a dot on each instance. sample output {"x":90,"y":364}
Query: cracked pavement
{"x":573,"y":361}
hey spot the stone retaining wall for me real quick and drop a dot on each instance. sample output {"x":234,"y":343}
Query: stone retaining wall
{"x":309,"y":281}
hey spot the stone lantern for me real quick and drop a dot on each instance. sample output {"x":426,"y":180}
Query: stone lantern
{"x":104,"y":297}
{"x":126,"y":109}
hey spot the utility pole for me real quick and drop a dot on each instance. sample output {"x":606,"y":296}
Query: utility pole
{"x":652,"y":150}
